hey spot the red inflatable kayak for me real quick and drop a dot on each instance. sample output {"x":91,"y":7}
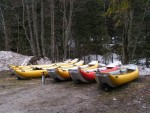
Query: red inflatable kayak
{"x":90,"y":76}
{"x":109,"y":70}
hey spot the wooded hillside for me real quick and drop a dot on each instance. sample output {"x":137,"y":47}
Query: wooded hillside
{"x":61,"y":29}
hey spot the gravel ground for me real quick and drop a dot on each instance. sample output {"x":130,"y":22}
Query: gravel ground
{"x":30,"y":96}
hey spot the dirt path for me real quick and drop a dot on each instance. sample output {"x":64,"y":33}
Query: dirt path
{"x":30,"y":96}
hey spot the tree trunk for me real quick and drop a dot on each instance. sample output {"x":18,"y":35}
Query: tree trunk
{"x":127,"y":23}
{"x":68,"y":30}
{"x":35,"y":28}
{"x":67,"y":25}
{"x":125,"y":50}
{"x":23,"y":23}
{"x":18,"y":37}
{"x":146,"y":49}
{"x":32,"y":44}
{"x":64,"y":29}
{"x":52,"y":31}
{"x":147,"y":33}
{"x":146,"y":43}
{"x":5,"y":30}
{"x":42,"y":29}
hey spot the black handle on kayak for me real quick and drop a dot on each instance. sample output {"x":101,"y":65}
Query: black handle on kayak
{"x":79,"y":68}
{"x":43,"y":73}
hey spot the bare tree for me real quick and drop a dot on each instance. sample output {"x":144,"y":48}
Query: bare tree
{"x":30,"y":37}
{"x":42,"y":29}
{"x":67,"y":25}
{"x":35,"y":26}
{"x":52,"y":30}
{"x":18,"y":37}
{"x":147,"y":33}
{"x":5,"y":30}
{"x":126,"y":38}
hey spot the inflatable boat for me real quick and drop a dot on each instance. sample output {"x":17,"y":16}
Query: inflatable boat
{"x":61,"y":73}
{"x":37,"y":71}
{"x":86,"y":75}
{"x":118,"y":77}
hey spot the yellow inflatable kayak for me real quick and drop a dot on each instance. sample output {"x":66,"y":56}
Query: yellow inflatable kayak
{"x":118,"y":77}
{"x":36,"y":72}
{"x":67,"y":62}
{"x":61,"y":73}
{"x":30,"y":73}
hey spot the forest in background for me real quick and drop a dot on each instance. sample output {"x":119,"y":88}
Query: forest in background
{"x":61,"y":29}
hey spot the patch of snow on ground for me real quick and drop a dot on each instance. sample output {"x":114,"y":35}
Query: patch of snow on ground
{"x":106,"y":59}
{"x":8,"y":57}
{"x":143,"y":70}
{"x":44,"y":60}
{"x":90,"y":58}
{"x":115,"y":63}
{"x":111,"y":58}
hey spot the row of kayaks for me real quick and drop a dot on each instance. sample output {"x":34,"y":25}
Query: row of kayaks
{"x":36,"y":71}
{"x":105,"y":76}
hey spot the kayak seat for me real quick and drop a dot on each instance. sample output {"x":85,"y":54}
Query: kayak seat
{"x":37,"y":68}
{"x":122,"y":71}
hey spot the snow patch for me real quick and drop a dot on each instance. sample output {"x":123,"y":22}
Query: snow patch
{"x":143,"y":70}
{"x":44,"y":60}
{"x":105,"y":59}
{"x":90,"y":58}
{"x":109,"y":57}
{"x":9,"y":57}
